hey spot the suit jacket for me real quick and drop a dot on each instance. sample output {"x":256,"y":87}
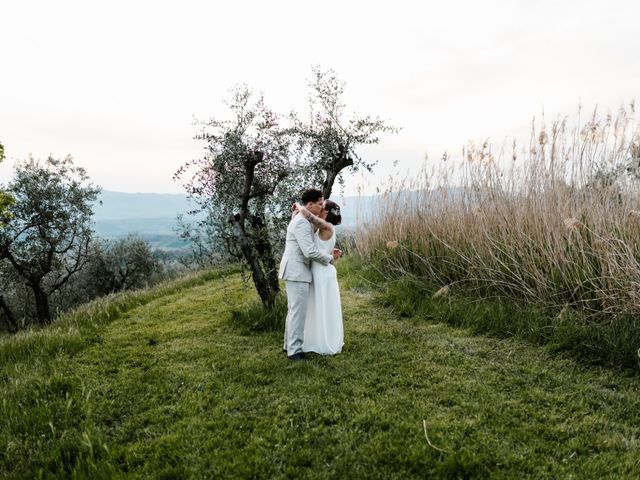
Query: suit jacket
{"x":299,"y":251}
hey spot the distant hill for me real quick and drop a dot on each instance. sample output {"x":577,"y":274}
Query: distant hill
{"x":118,"y":205}
{"x":152,"y":216}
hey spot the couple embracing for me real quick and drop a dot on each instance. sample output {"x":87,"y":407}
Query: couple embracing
{"x":314,"y":313}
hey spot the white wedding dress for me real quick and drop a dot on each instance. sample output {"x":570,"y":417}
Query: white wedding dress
{"x":323,"y":329}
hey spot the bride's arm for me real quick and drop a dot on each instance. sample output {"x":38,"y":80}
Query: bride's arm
{"x":313,"y":219}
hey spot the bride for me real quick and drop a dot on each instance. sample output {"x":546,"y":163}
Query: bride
{"x":323,"y":329}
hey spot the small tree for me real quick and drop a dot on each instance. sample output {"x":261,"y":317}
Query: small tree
{"x":203,"y":237}
{"x":5,"y":311}
{"x":123,"y":264}
{"x":6,"y":200}
{"x":241,"y":182}
{"x":328,"y":140}
{"x":47,"y":238}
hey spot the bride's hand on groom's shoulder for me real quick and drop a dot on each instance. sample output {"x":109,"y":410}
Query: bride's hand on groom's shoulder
{"x":294,"y":210}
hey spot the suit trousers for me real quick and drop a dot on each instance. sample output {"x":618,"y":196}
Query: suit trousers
{"x":297,"y":296}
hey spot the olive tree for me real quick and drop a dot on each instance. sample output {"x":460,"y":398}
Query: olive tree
{"x":6,"y":200}
{"x":242,"y":182}
{"x":202,"y":235}
{"x":123,"y":264}
{"x":8,"y":295}
{"x":47,"y":239}
{"x":5,"y":311}
{"x":254,"y":168}
{"x":329,"y":139}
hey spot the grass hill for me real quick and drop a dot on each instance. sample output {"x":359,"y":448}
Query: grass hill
{"x":164,"y":384}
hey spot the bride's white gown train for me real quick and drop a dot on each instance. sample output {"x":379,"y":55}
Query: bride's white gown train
{"x":323,"y":329}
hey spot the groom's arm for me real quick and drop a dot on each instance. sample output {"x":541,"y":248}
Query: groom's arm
{"x":302,"y":232}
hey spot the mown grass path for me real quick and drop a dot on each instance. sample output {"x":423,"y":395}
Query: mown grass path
{"x":172,"y":389}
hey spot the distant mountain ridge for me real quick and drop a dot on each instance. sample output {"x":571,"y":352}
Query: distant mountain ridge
{"x":119,"y":205}
{"x":152,"y":216}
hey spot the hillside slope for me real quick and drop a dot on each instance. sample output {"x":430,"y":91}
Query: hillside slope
{"x":169,"y":388}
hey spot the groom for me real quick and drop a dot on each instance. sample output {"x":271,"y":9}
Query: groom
{"x":295,"y":269}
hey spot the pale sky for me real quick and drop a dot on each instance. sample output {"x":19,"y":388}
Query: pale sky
{"x":117,"y":84}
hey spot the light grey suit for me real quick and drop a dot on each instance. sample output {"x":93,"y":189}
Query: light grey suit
{"x":295,"y":269}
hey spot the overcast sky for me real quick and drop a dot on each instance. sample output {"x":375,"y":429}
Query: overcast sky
{"x":117,"y":84}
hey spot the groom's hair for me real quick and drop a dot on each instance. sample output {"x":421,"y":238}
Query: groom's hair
{"x":311,"y":195}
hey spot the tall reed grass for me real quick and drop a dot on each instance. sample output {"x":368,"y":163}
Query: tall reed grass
{"x":555,"y":224}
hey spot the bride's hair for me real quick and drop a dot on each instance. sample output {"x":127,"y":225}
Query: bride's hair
{"x":333,"y":212}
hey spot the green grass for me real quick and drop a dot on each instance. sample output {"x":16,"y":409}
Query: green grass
{"x":608,"y":340}
{"x":254,"y":317}
{"x":170,"y":387}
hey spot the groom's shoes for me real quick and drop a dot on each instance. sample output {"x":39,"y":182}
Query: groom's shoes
{"x":297,"y":356}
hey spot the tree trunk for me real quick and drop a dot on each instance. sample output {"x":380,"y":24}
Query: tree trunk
{"x":8,"y":314}
{"x":266,"y":290}
{"x":342,"y":161}
{"x":255,"y":247}
{"x":329,"y":180}
{"x":43,"y":313}
{"x":266,"y":257}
